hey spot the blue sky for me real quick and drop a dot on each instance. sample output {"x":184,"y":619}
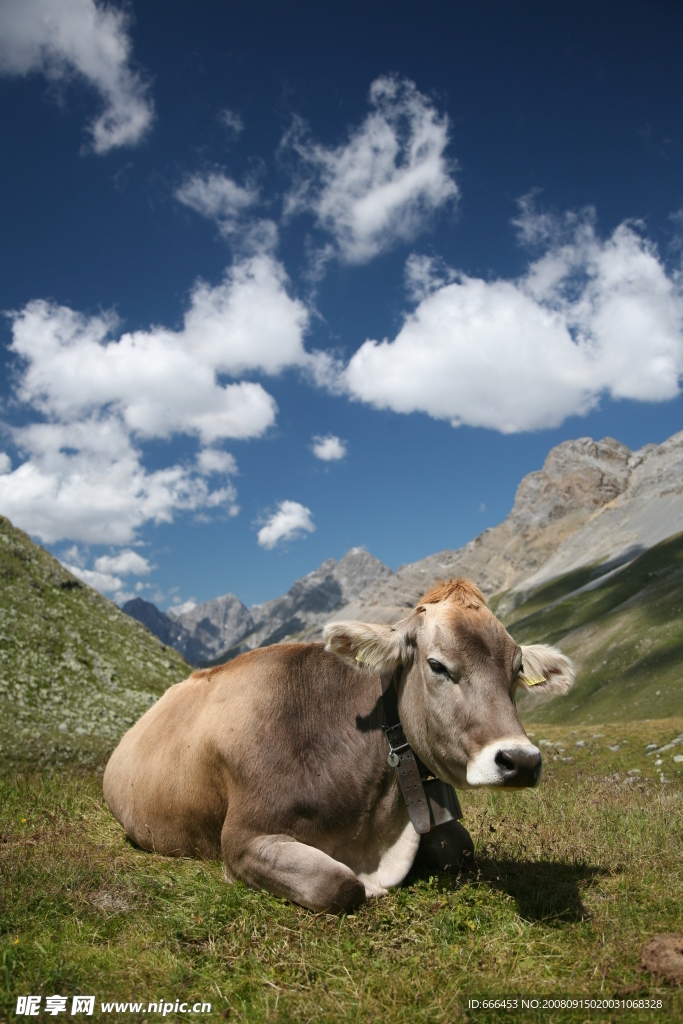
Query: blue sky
{"x":282,"y":279}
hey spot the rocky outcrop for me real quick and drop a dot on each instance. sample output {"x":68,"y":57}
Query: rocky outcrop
{"x":644,"y":512}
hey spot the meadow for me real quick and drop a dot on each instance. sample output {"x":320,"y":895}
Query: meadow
{"x":569,"y":881}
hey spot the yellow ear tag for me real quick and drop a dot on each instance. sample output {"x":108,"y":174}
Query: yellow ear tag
{"x":531,"y":681}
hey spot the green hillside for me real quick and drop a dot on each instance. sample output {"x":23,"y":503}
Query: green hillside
{"x":625,"y":637}
{"x":75,"y":671}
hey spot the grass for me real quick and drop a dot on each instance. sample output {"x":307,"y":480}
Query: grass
{"x":570,"y":880}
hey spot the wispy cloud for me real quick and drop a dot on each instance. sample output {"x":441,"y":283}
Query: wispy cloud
{"x":590,"y":317}
{"x":384,"y":183}
{"x":291,"y":520}
{"x":218,"y":198}
{"x":58,"y":38}
{"x":231,"y":120}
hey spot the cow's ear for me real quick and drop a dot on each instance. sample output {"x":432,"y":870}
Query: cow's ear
{"x":372,"y":646}
{"x":545,"y":670}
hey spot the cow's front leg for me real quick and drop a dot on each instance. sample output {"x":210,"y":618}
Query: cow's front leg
{"x":288,"y":868}
{"x":447,"y":847}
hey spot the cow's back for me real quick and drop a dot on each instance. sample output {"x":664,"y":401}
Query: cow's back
{"x":225,"y":732}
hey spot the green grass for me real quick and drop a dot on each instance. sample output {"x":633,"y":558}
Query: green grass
{"x":625,"y":637}
{"x":570,"y":880}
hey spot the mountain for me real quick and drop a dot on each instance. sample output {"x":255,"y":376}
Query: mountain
{"x":590,"y":558}
{"x":162,"y":625}
{"x":594,"y":503}
{"x":311,"y":600}
{"x":75,"y":671}
{"x":224,"y":627}
{"x":211,"y":627}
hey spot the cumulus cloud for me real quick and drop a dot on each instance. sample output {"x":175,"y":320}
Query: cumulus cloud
{"x":329,"y":448}
{"x":125,"y":563}
{"x":164,"y":382}
{"x":5,"y":463}
{"x":384,"y":183}
{"x":101,"y":393}
{"x":87,"y":481}
{"x":289,"y":522}
{"x":63,"y":39}
{"x":590,"y":317}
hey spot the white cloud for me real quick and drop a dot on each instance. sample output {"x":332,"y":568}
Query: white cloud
{"x":87,"y":481}
{"x":385,"y":182}
{"x":5,"y":463}
{"x":101,"y":581}
{"x":100,"y":396}
{"x":58,"y":38}
{"x":289,"y":522}
{"x":163,"y":382}
{"x":218,"y":198}
{"x":590,"y":317}
{"x":125,"y":563}
{"x":329,"y":448}
{"x":211,"y":460}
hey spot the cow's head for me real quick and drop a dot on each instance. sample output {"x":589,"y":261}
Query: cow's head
{"x":457,"y":670}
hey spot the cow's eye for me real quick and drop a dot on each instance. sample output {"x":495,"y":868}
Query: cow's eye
{"x":437,"y":667}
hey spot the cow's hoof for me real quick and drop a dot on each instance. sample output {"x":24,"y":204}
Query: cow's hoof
{"x":350,"y":894}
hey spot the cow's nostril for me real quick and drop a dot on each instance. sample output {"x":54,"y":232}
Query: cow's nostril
{"x":504,"y":761}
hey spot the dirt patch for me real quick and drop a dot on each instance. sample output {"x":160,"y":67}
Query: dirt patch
{"x":663,"y":955}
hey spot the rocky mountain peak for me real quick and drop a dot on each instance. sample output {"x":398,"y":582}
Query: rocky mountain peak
{"x":213,"y":626}
{"x":577,"y":475}
{"x":357,"y":570}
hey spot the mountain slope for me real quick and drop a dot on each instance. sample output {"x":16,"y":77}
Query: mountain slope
{"x":75,"y":671}
{"x":624,"y":632}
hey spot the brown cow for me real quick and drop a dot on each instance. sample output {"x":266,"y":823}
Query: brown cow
{"x":277,"y":761}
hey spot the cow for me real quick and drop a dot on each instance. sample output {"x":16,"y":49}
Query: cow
{"x":282,"y":763}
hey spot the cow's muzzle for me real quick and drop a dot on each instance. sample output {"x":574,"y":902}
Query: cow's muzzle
{"x":520,"y":766}
{"x":505,"y":763}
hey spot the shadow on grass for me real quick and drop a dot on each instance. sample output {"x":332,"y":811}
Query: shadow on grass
{"x":544,"y":890}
